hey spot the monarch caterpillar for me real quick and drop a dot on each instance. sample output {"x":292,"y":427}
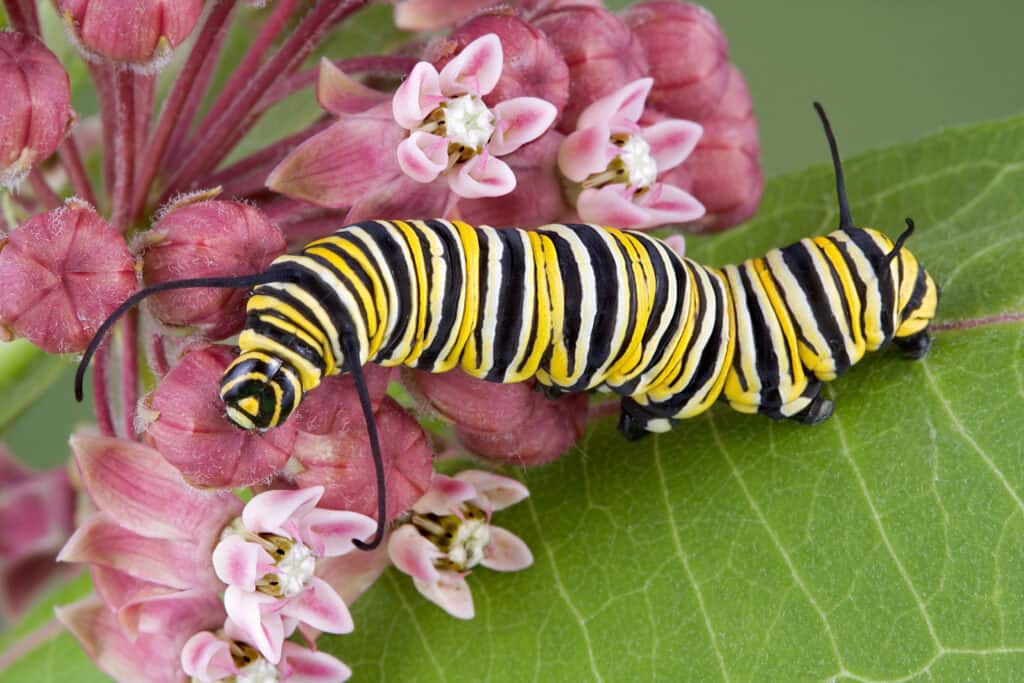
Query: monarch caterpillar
{"x":577,"y":307}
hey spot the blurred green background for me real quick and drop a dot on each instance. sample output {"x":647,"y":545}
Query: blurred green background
{"x":887,"y":71}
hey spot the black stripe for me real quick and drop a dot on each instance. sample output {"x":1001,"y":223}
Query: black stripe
{"x":713,"y":349}
{"x":482,"y":270}
{"x":450,"y":320}
{"x":396,"y":270}
{"x":510,"y":306}
{"x":766,"y":361}
{"x":886,"y":287}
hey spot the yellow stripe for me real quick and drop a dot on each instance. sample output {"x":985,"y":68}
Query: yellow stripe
{"x":354,"y":282}
{"x":419,"y":273}
{"x":545,"y":315}
{"x":308,"y":373}
{"x":263,"y":302}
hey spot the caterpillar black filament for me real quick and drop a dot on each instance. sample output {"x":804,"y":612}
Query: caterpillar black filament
{"x":577,"y":307}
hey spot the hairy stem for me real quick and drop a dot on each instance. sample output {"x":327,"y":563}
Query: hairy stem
{"x":969,"y":323}
{"x":124,"y":147}
{"x":46,"y":196}
{"x":72,"y":160}
{"x":100,"y":397}
{"x":102,"y":79}
{"x":130,"y":370}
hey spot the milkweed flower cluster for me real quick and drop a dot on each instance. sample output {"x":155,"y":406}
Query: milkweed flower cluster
{"x":533,"y":112}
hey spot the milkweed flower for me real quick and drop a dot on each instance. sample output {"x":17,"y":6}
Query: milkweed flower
{"x":225,"y":656}
{"x":617,"y":163}
{"x":453,"y":132}
{"x":450,"y":533}
{"x":269,"y":556}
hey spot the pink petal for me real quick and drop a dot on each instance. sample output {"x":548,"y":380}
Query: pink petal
{"x":671,"y":141}
{"x":240,"y":563}
{"x":500,"y":492}
{"x":263,"y":630}
{"x":339,"y":93}
{"x":444,"y":495}
{"x":423,"y":156}
{"x":506,"y":552}
{"x":319,"y":606}
{"x":402,"y":197}
{"x":207,"y":657}
{"x":451,"y":594}
{"x":352,"y":574}
{"x":417,"y":96}
{"x":331,"y":532}
{"x":624,"y":105}
{"x":482,"y":176}
{"x":585,"y":152}
{"x":476,"y":69}
{"x":670,"y":204}
{"x":676,"y":243}
{"x":268,"y":512}
{"x":518,"y":121}
{"x":611,"y":205}
{"x":189,"y":611}
{"x":302,"y":665}
{"x":414,"y":554}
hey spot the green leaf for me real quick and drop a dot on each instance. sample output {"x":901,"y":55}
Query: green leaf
{"x":886,"y":543}
{"x":25,"y":374}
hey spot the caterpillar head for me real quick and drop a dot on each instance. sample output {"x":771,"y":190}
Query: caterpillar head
{"x":259,"y":390}
{"x":917,"y":297}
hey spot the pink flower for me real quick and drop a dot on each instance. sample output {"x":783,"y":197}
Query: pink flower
{"x":617,"y":163}
{"x":451,"y":532}
{"x":268,"y":558}
{"x":210,"y":657}
{"x":452,"y":132}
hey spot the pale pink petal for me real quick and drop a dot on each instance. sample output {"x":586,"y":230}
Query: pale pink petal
{"x":625,"y":105}
{"x":482,"y":176}
{"x":506,"y":552}
{"x":268,"y":512}
{"x":207,"y":657}
{"x":302,"y":665}
{"x":498,"y":491}
{"x":611,"y":205}
{"x":676,"y":243}
{"x":401,"y":197}
{"x":518,"y":121}
{"x":585,"y":152}
{"x":417,"y":96}
{"x":450,"y":593}
{"x":189,"y":611}
{"x":339,"y":93}
{"x":670,"y":204}
{"x":444,"y":495}
{"x":330,"y":532}
{"x":476,"y":69}
{"x":240,"y":563}
{"x":321,"y":607}
{"x":431,"y":15}
{"x":423,"y":156}
{"x":262,"y":629}
{"x":352,"y":575}
{"x":671,"y":141}
{"x":414,"y":554}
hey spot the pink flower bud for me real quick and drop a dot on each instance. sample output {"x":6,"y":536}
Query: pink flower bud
{"x":687,"y":53}
{"x":533,"y":66}
{"x":35,"y":108}
{"x":207,"y":239}
{"x":190,"y":430}
{"x":142,"y":33}
{"x":605,"y":59}
{"x":63,"y":273}
{"x":332,"y":448}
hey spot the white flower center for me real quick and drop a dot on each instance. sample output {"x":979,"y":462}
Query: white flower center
{"x":259,"y":671}
{"x":468,"y":121}
{"x":471,"y":538}
{"x":295,"y":569}
{"x":640,"y":165}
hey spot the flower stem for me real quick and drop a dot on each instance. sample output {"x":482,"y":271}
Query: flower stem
{"x":124,"y":146}
{"x":23,"y":17}
{"x":100,"y":399}
{"x":72,"y":160}
{"x":145,"y":85}
{"x":103,"y":81}
{"x":46,"y":196}
{"x":130,"y":370}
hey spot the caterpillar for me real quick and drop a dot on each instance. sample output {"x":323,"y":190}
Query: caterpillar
{"x":576,"y":307}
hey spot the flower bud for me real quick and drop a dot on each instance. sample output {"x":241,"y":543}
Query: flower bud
{"x":607,"y":59}
{"x":207,"y":239}
{"x":190,"y":430}
{"x":687,"y":53}
{"x":35,"y":108}
{"x":533,"y":66}
{"x":142,"y":33}
{"x":332,"y":448}
{"x":63,"y":273}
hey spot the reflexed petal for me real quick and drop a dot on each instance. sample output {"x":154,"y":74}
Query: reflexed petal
{"x":207,"y":657}
{"x":518,"y":121}
{"x":444,"y":495}
{"x":339,"y":93}
{"x":499,"y":491}
{"x":423,"y":156}
{"x":264,"y":631}
{"x":401,"y":197}
{"x":669,"y":204}
{"x":302,"y":665}
{"x":417,"y":96}
{"x":450,"y":593}
{"x":585,"y":152}
{"x":610,"y":205}
{"x":240,"y":563}
{"x":414,"y":554}
{"x":268,"y":512}
{"x":671,"y":141}
{"x":476,"y":69}
{"x":482,"y":176}
{"x":676,"y":243}
{"x":352,"y":574}
{"x":189,"y":611}
{"x":624,"y":105}
{"x":319,"y":606}
{"x":506,"y":552}
{"x":330,"y":532}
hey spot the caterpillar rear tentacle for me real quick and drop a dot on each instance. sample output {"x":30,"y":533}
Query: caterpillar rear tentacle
{"x":575,"y":307}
